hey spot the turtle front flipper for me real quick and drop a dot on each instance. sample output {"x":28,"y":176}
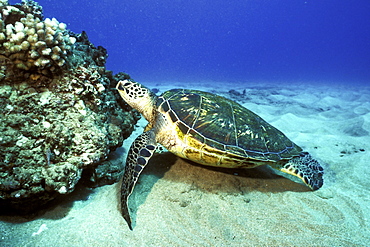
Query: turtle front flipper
{"x":306,"y":168}
{"x":140,"y":152}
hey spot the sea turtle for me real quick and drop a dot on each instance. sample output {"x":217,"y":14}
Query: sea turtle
{"x":210,"y":130}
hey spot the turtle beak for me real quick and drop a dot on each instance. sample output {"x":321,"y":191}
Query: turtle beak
{"x":121,"y":85}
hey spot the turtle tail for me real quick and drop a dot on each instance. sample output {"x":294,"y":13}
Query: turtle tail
{"x":306,"y":168}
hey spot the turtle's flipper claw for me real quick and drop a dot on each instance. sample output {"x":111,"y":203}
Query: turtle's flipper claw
{"x":141,"y":151}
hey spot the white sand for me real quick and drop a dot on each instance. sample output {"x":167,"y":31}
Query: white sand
{"x":179,"y":204}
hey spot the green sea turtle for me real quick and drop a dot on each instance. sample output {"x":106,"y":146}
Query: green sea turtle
{"x":210,"y":130}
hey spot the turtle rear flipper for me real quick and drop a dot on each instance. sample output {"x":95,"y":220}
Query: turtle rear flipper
{"x":306,"y":168}
{"x":141,"y":150}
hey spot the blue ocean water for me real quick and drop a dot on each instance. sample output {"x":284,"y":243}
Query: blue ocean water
{"x":236,"y":40}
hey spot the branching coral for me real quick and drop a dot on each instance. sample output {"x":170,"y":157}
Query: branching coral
{"x":29,"y":45}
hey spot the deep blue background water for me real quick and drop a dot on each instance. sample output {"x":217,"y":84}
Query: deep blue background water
{"x":234,"y":40}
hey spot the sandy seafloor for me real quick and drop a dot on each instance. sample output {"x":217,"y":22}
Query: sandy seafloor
{"x":177,"y":203}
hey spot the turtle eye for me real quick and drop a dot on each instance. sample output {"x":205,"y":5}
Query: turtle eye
{"x":120,"y":87}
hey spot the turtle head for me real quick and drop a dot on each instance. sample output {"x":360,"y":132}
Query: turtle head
{"x":139,"y":98}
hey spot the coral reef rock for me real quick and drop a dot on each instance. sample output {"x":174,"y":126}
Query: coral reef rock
{"x":60,"y":117}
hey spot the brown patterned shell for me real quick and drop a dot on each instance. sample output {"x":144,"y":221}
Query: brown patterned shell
{"x":226,"y":125}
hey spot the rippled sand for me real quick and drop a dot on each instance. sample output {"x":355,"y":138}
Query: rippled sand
{"x":177,"y":203}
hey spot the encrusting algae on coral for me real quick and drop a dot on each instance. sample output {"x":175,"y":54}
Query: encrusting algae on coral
{"x":59,"y":117}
